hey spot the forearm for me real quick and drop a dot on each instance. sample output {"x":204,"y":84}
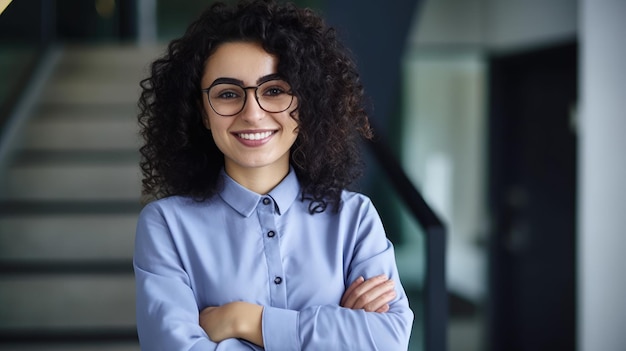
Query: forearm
{"x":250,"y":326}
{"x":244,"y":320}
{"x":233,"y":320}
{"x":336,"y":328}
{"x":320,"y":327}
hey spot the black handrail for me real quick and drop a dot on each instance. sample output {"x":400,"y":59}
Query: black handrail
{"x":435,"y":292}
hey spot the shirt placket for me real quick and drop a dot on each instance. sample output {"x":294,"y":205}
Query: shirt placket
{"x":277,"y":280}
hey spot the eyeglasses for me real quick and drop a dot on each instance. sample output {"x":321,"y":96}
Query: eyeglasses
{"x":229,"y":98}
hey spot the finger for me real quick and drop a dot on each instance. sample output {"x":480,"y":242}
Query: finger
{"x":383,"y":309}
{"x":364,"y":292}
{"x":358,"y":281}
{"x":371,"y":299}
{"x":380,"y":302}
{"x":361,"y":294}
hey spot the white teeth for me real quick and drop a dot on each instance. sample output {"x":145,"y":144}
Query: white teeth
{"x":255,"y":136}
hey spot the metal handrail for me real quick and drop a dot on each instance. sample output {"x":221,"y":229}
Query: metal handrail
{"x":435,"y":292}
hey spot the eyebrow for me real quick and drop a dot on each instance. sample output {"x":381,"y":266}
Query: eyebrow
{"x":261,"y":80}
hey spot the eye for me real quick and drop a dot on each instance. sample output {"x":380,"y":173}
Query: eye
{"x":275,"y":88}
{"x":227,"y":95}
{"x":274,"y":91}
{"x":226,"y":92}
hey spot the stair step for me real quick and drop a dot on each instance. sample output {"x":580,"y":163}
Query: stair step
{"x":60,"y":346}
{"x":14,"y":208}
{"x":114,"y":56}
{"x":100,"y":74}
{"x":39,"y":267}
{"x":67,"y":237}
{"x":67,"y":92}
{"x":82,"y":133}
{"x":40,"y":157}
{"x":67,"y":301}
{"x":58,"y":110}
{"x":73,"y":182}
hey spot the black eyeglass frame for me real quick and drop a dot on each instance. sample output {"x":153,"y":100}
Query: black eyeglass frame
{"x":245,"y":96}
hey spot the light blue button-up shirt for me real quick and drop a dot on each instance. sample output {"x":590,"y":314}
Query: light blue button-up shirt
{"x":268,"y":250}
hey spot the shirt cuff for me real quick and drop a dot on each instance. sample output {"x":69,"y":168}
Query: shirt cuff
{"x":280,"y":329}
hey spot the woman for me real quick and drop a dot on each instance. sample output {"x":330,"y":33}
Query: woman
{"x":251,"y":122}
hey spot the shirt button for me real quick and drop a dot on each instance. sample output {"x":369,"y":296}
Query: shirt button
{"x":266,"y":201}
{"x":278,"y":280}
{"x":271,"y":233}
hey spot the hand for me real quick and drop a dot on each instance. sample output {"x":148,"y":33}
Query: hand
{"x":233,"y":320}
{"x":372,"y":295}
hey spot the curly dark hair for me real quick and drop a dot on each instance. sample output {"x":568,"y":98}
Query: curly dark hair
{"x":179,"y":156}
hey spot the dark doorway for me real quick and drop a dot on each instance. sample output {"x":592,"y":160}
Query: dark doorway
{"x":532,"y":193}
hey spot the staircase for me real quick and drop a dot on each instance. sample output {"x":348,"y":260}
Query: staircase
{"x":69,"y":200}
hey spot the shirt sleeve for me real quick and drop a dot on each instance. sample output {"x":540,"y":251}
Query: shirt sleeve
{"x":332,"y":327}
{"x":167,"y":312}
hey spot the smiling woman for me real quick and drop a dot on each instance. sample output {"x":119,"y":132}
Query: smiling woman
{"x":251,"y":122}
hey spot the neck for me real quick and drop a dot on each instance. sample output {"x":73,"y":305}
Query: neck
{"x":260,"y":180}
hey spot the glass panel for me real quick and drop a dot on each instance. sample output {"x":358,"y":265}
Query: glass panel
{"x":408,"y":238}
{"x":443,"y":142}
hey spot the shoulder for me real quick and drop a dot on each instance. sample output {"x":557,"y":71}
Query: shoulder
{"x":357,"y":205}
{"x":353,"y":199}
{"x":174,"y":205}
{"x":172,"y":214}
{"x":166,"y":204}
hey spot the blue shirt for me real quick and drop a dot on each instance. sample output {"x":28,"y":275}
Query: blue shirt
{"x":269,"y":250}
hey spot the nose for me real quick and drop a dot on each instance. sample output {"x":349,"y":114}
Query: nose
{"x":252,"y":111}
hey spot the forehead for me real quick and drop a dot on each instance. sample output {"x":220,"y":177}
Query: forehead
{"x":246,"y":61}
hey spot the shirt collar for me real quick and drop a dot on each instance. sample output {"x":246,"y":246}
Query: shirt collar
{"x":245,"y":201}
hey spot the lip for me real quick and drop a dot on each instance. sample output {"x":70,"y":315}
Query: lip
{"x":254,"y":138}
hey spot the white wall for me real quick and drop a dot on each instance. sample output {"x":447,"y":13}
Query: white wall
{"x":602,"y":177}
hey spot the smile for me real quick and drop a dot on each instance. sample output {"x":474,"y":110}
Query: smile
{"x":255,"y":136}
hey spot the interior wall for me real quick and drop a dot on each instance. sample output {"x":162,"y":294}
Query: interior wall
{"x":602,"y":188}
{"x":519,"y":23}
{"x":495,"y":24}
